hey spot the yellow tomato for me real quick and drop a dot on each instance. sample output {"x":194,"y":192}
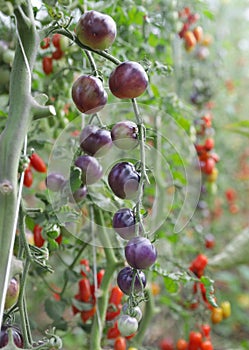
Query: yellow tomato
{"x":155,"y":288}
{"x":217,"y":315}
{"x":226,"y":309}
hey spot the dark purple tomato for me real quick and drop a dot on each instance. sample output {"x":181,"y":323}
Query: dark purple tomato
{"x":140,"y":253}
{"x":89,"y":94}
{"x":95,"y":141}
{"x":124,"y":180}
{"x":125,"y":135}
{"x":91,"y":169}
{"x":96,"y":30}
{"x":16,"y":333}
{"x":55,"y":182}
{"x":128,"y":80}
{"x":80,"y":194}
{"x":125,"y":277}
{"x":124,"y":223}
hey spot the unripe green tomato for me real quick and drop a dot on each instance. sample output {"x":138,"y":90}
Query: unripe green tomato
{"x":12,"y":293}
{"x":127,"y":325}
{"x":8,"y":56}
{"x":64,"y":43}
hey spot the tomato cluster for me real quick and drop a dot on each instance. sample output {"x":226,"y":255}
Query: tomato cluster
{"x":193,"y":35}
{"x":37,"y":163}
{"x":231,"y":197}
{"x":56,"y":51}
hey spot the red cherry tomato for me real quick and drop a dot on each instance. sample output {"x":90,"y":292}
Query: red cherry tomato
{"x":116,"y":296}
{"x":38,"y":239}
{"x":59,"y":239}
{"x":181,"y":344}
{"x":85,"y":290}
{"x":57,"y":54}
{"x":37,"y":163}
{"x":47,"y":65}
{"x":45,"y":43}
{"x":120,"y":343}
{"x":28,"y":177}
{"x":100,"y":276}
{"x":205,"y":329}
{"x":207,"y":345}
{"x":85,"y":268}
{"x":87,"y":314}
{"x":195,"y":340}
{"x":113,"y":332}
{"x":112,"y":312}
{"x":209,"y":144}
{"x":56,"y":40}
{"x":166,"y":344}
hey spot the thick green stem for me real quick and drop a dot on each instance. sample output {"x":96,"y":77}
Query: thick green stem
{"x":12,"y":138}
{"x":102,"y":301}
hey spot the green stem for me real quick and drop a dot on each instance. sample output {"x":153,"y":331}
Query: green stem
{"x":102,"y":301}
{"x":12,"y":138}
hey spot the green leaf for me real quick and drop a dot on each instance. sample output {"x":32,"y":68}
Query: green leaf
{"x":54,"y":309}
{"x":75,"y":179}
{"x":241,"y":127}
{"x":208,"y":14}
{"x":209,"y":286}
{"x":170,"y":285}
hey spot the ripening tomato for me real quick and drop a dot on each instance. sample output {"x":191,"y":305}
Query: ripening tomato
{"x":28,"y":177}
{"x":116,"y":296}
{"x":56,"y":40}
{"x":85,"y":290}
{"x":190,"y":40}
{"x":217,"y":315}
{"x":181,"y":344}
{"x":37,"y":163}
{"x":213,"y":176}
{"x":198,"y":33}
{"x":120,"y":343}
{"x":207,"y":345}
{"x":226,"y":309}
{"x":45,"y":43}
{"x":47,"y":65}
{"x":38,"y":239}
{"x":112,"y":312}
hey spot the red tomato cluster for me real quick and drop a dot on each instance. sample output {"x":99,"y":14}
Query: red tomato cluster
{"x":197,"y":340}
{"x":38,"y":238}
{"x":205,"y":148}
{"x":198,"y":265}
{"x":37,"y":163}
{"x":192,"y":34}
{"x":231,"y":197}
{"x":57,"y":52}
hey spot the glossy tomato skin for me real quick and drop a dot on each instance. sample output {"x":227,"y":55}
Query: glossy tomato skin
{"x":181,"y":344}
{"x":16,"y":333}
{"x":166,"y":344}
{"x":28,"y":177}
{"x":89,"y":94}
{"x":116,"y":296}
{"x":38,"y":239}
{"x":96,"y":30}
{"x":120,"y":343}
{"x":85,"y":290}
{"x":207,"y":345}
{"x":80,"y":194}
{"x":125,"y":135}
{"x":91,"y":169}
{"x":128,"y":80}
{"x":140,"y":253}
{"x":127,"y":325}
{"x":95,"y":141}
{"x":37,"y":163}
{"x":47,"y":65}
{"x":124,"y":180}
{"x":124,"y":280}
{"x":124,"y":223}
{"x":55,"y":182}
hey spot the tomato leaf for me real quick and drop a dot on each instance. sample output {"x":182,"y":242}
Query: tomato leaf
{"x":54,"y":309}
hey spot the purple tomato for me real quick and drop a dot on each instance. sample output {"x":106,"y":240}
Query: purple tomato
{"x":124,"y":223}
{"x":16,"y":333}
{"x":140,"y":253}
{"x":124,"y":180}
{"x":125,"y":135}
{"x":95,"y":141}
{"x":125,"y":277}
{"x":91,"y":169}
{"x":55,"y":182}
